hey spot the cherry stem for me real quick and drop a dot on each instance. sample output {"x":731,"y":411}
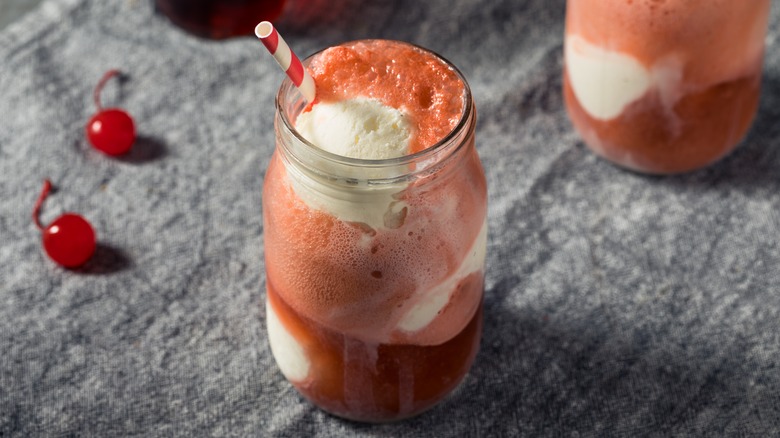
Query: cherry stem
{"x":99,"y":87}
{"x":39,"y":202}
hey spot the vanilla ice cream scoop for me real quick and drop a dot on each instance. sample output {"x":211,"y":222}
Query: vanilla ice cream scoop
{"x":357,"y":128}
{"x":604,"y":81}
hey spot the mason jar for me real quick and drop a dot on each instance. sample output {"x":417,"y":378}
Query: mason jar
{"x":374,"y":269}
{"x":663,"y":86}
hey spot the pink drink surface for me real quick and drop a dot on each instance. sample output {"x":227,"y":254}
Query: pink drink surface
{"x":399,"y":76}
{"x":342,"y":290}
{"x":700,"y":65}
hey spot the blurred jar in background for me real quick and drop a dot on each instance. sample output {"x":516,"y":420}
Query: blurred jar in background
{"x":220,"y":19}
{"x":663,"y":86}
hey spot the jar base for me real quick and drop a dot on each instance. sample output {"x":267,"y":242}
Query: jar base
{"x":700,"y":129}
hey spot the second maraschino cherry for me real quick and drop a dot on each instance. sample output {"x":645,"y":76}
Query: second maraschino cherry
{"x":69,"y":240}
{"x":110,"y":130}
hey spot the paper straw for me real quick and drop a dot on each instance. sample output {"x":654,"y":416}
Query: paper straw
{"x":286,"y":59}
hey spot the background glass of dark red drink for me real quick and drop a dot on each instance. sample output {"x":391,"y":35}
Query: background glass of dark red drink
{"x":220,"y":19}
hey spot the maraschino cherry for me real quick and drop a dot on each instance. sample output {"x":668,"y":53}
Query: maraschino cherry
{"x":70,"y":239}
{"x":110,"y":130}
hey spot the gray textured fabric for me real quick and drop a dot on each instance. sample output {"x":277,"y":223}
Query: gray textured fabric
{"x":616,"y":304}
{"x":11,"y":10}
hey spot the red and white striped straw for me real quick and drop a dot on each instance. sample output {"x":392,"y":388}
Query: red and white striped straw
{"x":286,"y":59}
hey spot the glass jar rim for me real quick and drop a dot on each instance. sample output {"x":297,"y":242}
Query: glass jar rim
{"x":436,"y":148}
